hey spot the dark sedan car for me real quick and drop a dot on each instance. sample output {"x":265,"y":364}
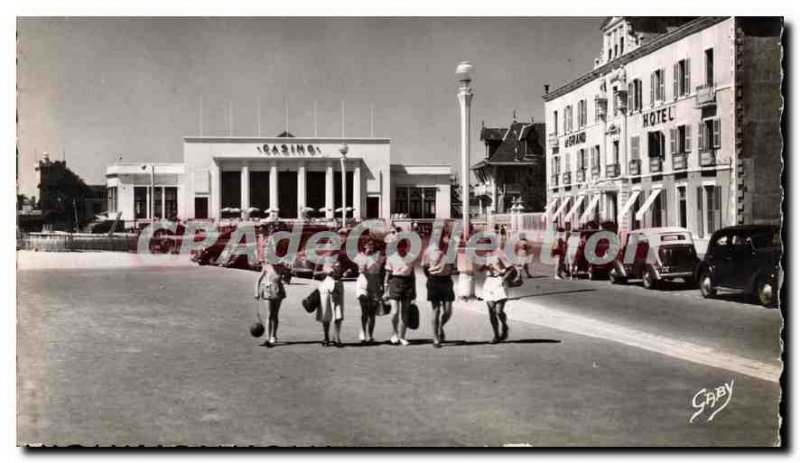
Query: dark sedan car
{"x":744,"y":258}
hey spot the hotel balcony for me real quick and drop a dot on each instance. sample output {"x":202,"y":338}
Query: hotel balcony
{"x":655,"y":165}
{"x":621,"y":100}
{"x":580,"y":176}
{"x":708,"y":158}
{"x":566,"y":177}
{"x":679,"y":161}
{"x":706,"y":96}
{"x":612,"y":170}
{"x":635,"y":167}
{"x":554,"y":180}
{"x":601,"y":105}
{"x":595,"y":171}
{"x":552,"y":139}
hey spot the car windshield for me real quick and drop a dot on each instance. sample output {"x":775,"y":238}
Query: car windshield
{"x":672,"y":237}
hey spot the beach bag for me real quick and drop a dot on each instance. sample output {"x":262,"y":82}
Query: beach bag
{"x":513,"y":277}
{"x":312,"y":302}
{"x":361,"y":286}
{"x":382,"y":308}
{"x":411,"y":316}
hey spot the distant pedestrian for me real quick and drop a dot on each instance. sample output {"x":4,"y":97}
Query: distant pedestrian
{"x":369,"y":289}
{"x":400,"y":290}
{"x":524,"y":254}
{"x":559,"y":251}
{"x":269,"y":288}
{"x":331,"y":293}
{"x":502,"y":235}
{"x":495,"y":295}
{"x":440,"y":289}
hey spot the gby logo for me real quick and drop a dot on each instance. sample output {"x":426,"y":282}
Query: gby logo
{"x":712,"y":400}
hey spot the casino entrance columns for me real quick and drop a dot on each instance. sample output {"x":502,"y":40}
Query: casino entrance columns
{"x":245,"y":188}
{"x":273,"y":190}
{"x":329,"y":190}
{"x":357,"y":191}
{"x":301,"y":189}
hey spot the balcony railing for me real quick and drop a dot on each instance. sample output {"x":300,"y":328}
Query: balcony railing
{"x":635,"y":167}
{"x":708,"y":158}
{"x":566,"y":177}
{"x":580,"y":176}
{"x":679,"y":161}
{"x":655,"y":165}
{"x":595,"y":171}
{"x":554,"y":180}
{"x":706,"y":96}
{"x":612,"y":170}
{"x":553,"y":139}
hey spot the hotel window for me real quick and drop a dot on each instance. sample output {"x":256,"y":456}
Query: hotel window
{"x":555,"y":122}
{"x":682,"y":217}
{"x":171,"y":202}
{"x":567,"y":163}
{"x":140,"y":202}
{"x":656,"y":144}
{"x":635,"y":95}
{"x":615,"y":152}
{"x":680,"y":139}
{"x":709,"y":67}
{"x":596,"y":156}
{"x":581,"y":114}
{"x":657,"y":86}
{"x":582,"y":159}
{"x":659,"y":210}
{"x":112,"y":199}
{"x":429,"y":202}
{"x":681,"y":79}
{"x":709,"y":210}
{"x":556,"y":168}
{"x":568,"y":119}
{"x":635,"y":148}
{"x":708,"y":136}
{"x":622,"y":43}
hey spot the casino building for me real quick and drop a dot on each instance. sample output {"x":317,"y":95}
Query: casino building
{"x":678,"y":124}
{"x":282,"y":177}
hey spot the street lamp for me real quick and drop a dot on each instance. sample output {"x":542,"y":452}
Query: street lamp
{"x":343,"y":149}
{"x":464,"y":75}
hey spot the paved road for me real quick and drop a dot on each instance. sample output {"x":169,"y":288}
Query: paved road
{"x":163,"y":356}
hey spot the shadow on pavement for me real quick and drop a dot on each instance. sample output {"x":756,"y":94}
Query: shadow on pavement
{"x":416,"y":342}
{"x":509,"y":341}
{"x":551,"y":293}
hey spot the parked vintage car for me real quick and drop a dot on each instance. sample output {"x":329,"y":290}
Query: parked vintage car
{"x":743,"y":258}
{"x":660,"y":254}
{"x":580,"y":265}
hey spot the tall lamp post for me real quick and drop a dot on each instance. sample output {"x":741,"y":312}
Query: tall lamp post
{"x":343,"y":149}
{"x":464,"y":75}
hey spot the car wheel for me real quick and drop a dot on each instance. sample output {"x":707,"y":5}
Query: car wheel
{"x":706,"y":287}
{"x":649,"y":280}
{"x":766,"y":293}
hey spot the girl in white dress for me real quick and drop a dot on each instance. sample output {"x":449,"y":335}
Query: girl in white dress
{"x":496,"y":295}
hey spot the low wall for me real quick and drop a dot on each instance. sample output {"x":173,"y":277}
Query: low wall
{"x":63,"y":242}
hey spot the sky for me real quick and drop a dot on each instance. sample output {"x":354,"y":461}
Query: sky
{"x":92,"y":90}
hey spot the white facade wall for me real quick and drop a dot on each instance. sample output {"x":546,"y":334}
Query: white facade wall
{"x":674,"y":111}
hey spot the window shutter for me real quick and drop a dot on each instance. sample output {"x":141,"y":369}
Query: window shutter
{"x":687,"y":77}
{"x":700,"y":217}
{"x":716,"y":136}
{"x":676,"y":75}
{"x":687,"y":147}
{"x":663,"y":95}
{"x":717,"y":208}
{"x":630,"y":97}
{"x":673,"y":141}
{"x":652,"y":88}
{"x":700,"y":137}
{"x":634,"y":147}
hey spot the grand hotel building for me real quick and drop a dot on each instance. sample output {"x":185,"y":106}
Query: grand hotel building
{"x":678,"y":124}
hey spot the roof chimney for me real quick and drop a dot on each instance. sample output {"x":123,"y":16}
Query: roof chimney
{"x":546,"y":89}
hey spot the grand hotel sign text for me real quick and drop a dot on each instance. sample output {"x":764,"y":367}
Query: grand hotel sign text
{"x":659,"y":116}
{"x":574,"y":139}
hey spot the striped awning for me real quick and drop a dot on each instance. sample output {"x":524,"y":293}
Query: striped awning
{"x":590,"y":208}
{"x":628,"y":204}
{"x":648,"y":203}
{"x":574,"y":207}
{"x":549,"y":209}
